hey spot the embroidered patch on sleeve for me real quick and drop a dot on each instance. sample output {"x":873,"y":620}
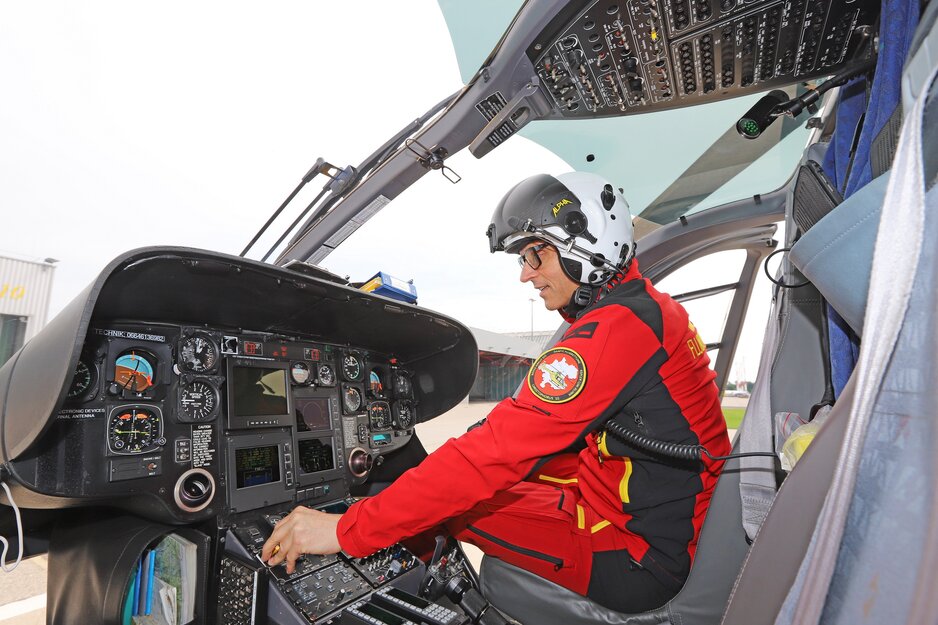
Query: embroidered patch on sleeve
{"x":558,"y":375}
{"x":584,"y":331}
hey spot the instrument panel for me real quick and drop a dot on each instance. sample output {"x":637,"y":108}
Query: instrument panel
{"x":203,"y":416}
{"x":615,"y":57}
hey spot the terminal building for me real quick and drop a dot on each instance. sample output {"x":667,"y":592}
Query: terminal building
{"x":25,"y":288}
{"x":504,"y":360}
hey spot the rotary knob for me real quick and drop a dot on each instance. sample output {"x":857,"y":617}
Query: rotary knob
{"x":360,"y":462}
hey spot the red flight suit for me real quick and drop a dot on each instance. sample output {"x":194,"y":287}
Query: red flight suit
{"x":541,"y":486}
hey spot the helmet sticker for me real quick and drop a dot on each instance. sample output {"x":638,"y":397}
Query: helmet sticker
{"x":559,"y":205}
{"x":558,"y":375}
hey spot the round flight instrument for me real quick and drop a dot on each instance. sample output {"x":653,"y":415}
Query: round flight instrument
{"x":404,"y":415}
{"x":134,"y":429}
{"x":300,"y":373}
{"x":379,"y":415}
{"x":351,"y":400}
{"x":402,"y":385}
{"x":84,"y":378}
{"x":326,"y":375}
{"x":134,"y":371}
{"x":198,"y":400}
{"x":198,"y":353}
{"x":352,"y":367}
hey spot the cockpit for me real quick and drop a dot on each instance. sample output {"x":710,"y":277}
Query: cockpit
{"x":195,"y":396}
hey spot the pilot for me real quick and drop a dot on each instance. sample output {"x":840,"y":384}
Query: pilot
{"x":540,"y":483}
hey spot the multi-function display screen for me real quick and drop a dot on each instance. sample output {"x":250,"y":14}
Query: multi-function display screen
{"x":312,"y":414}
{"x":258,"y":391}
{"x":257,"y":465}
{"x":316,"y":455}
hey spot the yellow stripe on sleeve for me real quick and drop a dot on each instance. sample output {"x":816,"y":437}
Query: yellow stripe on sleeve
{"x":599,"y":526}
{"x":557,"y":480}
{"x":580,"y":517}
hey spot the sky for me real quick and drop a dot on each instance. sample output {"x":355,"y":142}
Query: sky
{"x":129,"y":124}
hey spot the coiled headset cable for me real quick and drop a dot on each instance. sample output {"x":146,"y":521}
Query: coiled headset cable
{"x":671,"y":450}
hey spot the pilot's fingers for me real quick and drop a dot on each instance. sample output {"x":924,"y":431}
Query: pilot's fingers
{"x":279,"y":538}
{"x":272,"y":542}
{"x":270,"y":548}
{"x":279,"y":553}
{"x":292,"y":553}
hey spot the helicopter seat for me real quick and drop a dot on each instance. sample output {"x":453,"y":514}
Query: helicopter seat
{"x":720,"y":552}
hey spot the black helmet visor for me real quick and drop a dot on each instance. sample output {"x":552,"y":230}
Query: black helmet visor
{"x":533,"y":203}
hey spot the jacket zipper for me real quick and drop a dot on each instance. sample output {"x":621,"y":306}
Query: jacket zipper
{"x":557,"y":562}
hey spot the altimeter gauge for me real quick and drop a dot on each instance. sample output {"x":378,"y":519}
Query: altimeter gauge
{"x":198,"y":354}
{"x":326,"y":375}
{"x":352,"y":367}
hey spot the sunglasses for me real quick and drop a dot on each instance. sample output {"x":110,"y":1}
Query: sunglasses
{"x":531,"y":257}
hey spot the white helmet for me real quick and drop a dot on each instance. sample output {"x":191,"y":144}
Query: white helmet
{"x":581,"y":214}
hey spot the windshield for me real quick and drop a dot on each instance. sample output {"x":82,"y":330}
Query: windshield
{"x":666,"y":161}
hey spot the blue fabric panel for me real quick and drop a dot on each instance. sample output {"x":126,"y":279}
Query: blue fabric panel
{"x":850,"y":109}
{"x":899,"y":19}
{"x":845,"y":350}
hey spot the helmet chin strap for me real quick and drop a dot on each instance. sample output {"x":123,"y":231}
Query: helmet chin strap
{"x":584,"y":295}
{"x":581,"y":298}
{"x":587,"y":294}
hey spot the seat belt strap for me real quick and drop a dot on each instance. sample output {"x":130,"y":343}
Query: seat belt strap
{"x":757,"y":474}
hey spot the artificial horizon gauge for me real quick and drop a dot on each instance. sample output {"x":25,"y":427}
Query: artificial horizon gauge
{"x":198,"y":353}
{"x":300,"y":373}
{"x":351,"y":400}
{"x":375,"y":383}
{"x":402,"y":385}
{"x":403,"y":415}
{"x":352,"y":367}
{"x":198,"y":400}
{"x":379,"y":415}
{"x":326,"y":375}
{"x":134,"y":429}
{"x":83,"y":379}
{"x":134,"y":371}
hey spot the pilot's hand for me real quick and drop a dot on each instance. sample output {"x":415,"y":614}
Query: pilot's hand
{"x":302,"y":531}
